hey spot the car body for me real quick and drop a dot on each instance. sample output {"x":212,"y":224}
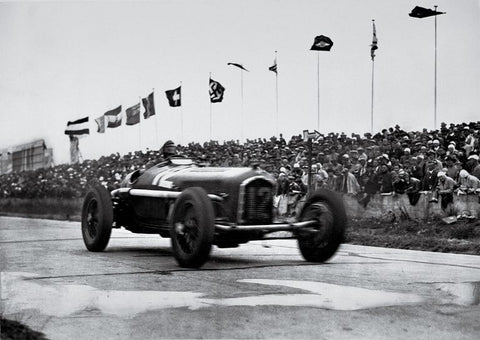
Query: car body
{"x":198,"y":207}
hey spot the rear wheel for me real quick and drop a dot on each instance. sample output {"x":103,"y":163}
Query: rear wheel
{"x":97,"y":218}
{"x":192,"y":228}
{"x":327,"y":209}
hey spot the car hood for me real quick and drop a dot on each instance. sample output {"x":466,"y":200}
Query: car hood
{"x":179,"y":177}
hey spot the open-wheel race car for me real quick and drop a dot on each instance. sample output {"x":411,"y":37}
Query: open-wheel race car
{"x":198,"y":207}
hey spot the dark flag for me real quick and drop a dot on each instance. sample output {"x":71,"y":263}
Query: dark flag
{"x":114,"y":117}
{"x":216,"y":91}
{"x":374,"y":44}
{"x":322,"y":43}
{"x":78,"y":127}
{"x":420,"y":12}
{"x":239,"y":66}
{"x":273,"y":68}
{"x":174,"y":96}
{"x":149,"y":106}
{"x":133,"y":114}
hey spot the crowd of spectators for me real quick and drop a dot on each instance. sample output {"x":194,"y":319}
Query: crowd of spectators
{"x":443,"y":162}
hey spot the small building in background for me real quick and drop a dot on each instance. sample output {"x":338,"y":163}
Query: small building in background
{"x":25,"y":157}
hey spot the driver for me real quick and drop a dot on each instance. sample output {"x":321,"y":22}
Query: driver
{"x":168,"y":150}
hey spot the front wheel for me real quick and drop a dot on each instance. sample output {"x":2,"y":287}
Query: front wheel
{"x":327,"y":209}
{"x":192,"y":227}
{"x":97,"y":218}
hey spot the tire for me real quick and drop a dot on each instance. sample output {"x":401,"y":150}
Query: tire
{"x":97,"y":218}
{"x":327,"y":208}
{"x":192,"y":227}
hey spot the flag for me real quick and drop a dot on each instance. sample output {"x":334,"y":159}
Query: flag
{"x":374,"y":44}
{"x":78,"y":127}
{"x":322,"y":43}
{"x":420,"y":12}
{"x":216,"y":91}
{"x":113,"y":117}
{"x":239,"y":66}
{"x":273,"y":68}
{"x":133,"y":114}
{"x":149,"y":106}
{"x":100,"y":124}
{"x":174,"y":96}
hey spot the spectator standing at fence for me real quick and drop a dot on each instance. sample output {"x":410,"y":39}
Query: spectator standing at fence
{"x":445,"y":187}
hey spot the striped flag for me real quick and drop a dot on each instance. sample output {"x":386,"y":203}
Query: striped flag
{"x":78,"y":127}
{"x":149,"y":106}
{"x":133,"y":114}
{"x":374,"y":44}
{"x":100,"y":124}
{"x":114,"y":117}
{"x":216,"y":91}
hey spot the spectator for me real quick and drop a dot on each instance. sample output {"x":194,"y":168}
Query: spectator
{"x":468,"y":184}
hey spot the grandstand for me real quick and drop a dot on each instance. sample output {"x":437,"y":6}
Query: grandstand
{"x":25,"y":157}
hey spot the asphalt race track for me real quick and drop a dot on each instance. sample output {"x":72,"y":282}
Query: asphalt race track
{"x":135,"y":290}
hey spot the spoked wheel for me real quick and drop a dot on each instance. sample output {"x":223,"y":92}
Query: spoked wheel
{"x":192,"y":228}
{"x":97,"y":219}
{"x":327,"y":209}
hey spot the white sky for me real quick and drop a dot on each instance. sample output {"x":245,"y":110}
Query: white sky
{"x":62,"y":61}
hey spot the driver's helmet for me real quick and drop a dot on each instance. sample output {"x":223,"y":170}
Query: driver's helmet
{"x":169,"y":149}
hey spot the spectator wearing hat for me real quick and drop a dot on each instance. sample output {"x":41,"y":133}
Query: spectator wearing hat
{"x":468,"y":183}
{"x":472,"y":165}
{"x":445,"y":187}
{"x":470,"y":141}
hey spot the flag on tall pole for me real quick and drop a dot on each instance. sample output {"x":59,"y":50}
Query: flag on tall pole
{"x":273,"y":68}
{"x":421,"y":12}
{"x":239,"y":66}
{"x":133,"y":114}
{"x":374,"y":45}
{"x":320,"y":43}
{"x":149,"y":106}
{"x":114,"y":117}
{"x":77,"y":127}
{"x":216,"y":91}
{"x":174,"y":96}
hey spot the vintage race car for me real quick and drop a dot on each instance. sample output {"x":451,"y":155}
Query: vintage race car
{"x":198,"y":207}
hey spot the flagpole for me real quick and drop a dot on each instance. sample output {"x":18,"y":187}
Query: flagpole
{"x":318,"y":91}
{"x":181,"y":117}
{"x":210,"y":109}
{"x":140,"y":125}
{"x":156,"y":121}
{"x":435,"y":77}
{"x":276,"y":92}
{"x":373,"y":77}
{"x":241,"y":117}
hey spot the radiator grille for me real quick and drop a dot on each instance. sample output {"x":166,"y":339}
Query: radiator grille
{"x":258,"y":203}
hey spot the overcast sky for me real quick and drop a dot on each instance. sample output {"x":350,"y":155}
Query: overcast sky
{"x":62,"y":61}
